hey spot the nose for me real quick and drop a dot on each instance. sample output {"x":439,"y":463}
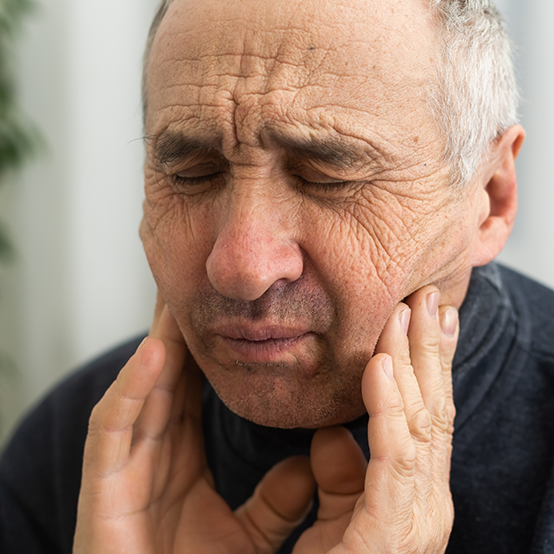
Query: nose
{"x":252,"y":251}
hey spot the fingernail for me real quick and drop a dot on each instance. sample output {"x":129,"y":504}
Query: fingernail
{"x":433,"y":303}
{"x":405,"y":317}
{"x":449,"y":321}
{"x":142,"y":343}
{"x":386,"y":364}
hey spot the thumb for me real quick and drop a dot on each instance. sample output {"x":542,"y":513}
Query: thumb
{"x":339,"y":467}
{"x":279,"y":504}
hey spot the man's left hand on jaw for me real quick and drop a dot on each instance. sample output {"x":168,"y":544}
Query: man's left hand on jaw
{"x":400,"y":502}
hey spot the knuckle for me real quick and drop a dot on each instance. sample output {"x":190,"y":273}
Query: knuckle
{"x":402,"y":468}
{"x":421,"y":426}
{"x":436,"y":401}
{"x":429,"y":345}
{"x":443,"y":424}
{"x":451,"y":414}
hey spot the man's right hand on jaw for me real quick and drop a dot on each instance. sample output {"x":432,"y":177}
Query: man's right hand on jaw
{"x":146,"y":486}
{"x":147,"y":489}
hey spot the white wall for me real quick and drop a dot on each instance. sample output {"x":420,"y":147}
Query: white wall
{"x":531,"y":247}
{"x":81,"y":283}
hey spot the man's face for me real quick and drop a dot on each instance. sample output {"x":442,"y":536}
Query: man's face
{"x":295,"y":193}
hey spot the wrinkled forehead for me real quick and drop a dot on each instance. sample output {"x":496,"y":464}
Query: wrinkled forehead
{"x":352,"y":55}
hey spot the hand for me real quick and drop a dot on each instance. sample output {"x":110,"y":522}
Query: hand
{"x":146,"y":487}
{"x":402,"y":503}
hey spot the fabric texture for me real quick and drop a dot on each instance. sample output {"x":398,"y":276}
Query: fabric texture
{"x":502,"y":480}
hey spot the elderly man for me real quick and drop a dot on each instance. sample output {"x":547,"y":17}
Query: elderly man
{"x":326,"y":184}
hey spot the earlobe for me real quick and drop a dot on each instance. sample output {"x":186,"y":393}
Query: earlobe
{"x":498,"y":197}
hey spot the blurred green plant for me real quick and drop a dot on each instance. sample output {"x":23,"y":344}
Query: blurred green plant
{"x":18,"y":138}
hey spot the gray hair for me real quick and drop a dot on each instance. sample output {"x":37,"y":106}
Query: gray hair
{"x":476,"y":99}
{"x":474,"y":96}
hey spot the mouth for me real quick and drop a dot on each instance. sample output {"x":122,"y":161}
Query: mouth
{"x":262,"y":345}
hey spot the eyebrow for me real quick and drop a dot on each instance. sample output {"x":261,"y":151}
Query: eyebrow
{"x":329,"y":150}
{"x":173,"y":146}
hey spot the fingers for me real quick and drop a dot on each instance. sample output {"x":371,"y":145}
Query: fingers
{"x":424,"y":339}
{"x":394,"y":341}
{"x":450,"y":329}
{"x":165,"y":328}
{"x":141,"y":403}
{"x":168,"y":442}
{"x":162,"y":403}
{"x":111,"y":423}
{"x":389,"y":490}
{"x":144,"y":452}
{"x":158,"y":308}
{"x":422,"y":351}
{"x":407,"y":390}
{"x":433,"y":336}
{"x":279,"y":504}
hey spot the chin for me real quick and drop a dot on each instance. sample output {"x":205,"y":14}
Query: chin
{"x":274,"y":401}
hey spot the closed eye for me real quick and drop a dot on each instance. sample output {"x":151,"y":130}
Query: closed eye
{"x":199,"y":180}
{"x":314,"y":177}
{"x":325,"y":185}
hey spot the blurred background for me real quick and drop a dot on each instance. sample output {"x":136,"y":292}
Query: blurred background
{"x":77,"y":282}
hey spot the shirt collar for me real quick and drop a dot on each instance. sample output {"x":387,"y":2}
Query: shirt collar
{"x":487,"y":330}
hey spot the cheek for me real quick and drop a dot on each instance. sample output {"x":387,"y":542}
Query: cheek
{"x":374,"y":252}
{"x":444,"y":249}
{"x":363,"y":249}
{"x":361,"y":257}
{"x":176,"y":241}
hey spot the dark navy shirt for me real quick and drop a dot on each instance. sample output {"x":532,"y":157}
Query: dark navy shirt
{"x":502,"y":462}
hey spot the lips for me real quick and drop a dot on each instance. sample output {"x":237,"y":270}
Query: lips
{"x":258,"y":334}
{"x":262,"y":344}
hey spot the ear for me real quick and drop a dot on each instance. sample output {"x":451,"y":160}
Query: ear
{"x":497,"y":197}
